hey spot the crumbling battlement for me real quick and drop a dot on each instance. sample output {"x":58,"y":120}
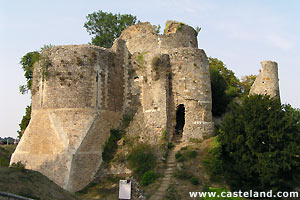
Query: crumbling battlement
{"x":80,"y":92}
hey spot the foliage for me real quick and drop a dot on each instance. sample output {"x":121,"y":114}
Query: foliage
{"x":194,"y":180}
{"x":24,"y":122}
{"x":171,"y":194}
{"x":212,"y":162}
{"x":148,"y":178}
{"x":157,"y":28}
{"x":197,"y":30}
{"x":246,"y":83}
{"x":185,"y":154}
{"x":127,"y":118}
{"x":170,"y":145}
{"x":179,"y":157}
{"x":27,"y":62}
{"x":106,"y":27}
{"x":182,"y":174}
{"x":192,"y":154}
{"x":141,"y":159}
{"x":5,"y":154}
{"x":18,"y":166}
{"x":224,"y":86}
{"x":260,"y":145}
{"x":111,"y":145}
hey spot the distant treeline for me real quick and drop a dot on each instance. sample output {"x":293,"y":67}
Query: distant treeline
{"x":8,"y":140}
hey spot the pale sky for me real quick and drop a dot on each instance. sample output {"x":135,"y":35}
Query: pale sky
{"x":240,"y":33}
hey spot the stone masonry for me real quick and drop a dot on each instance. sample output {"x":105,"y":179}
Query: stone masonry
{"x":267,"y":82}
{"x":81,"y":92}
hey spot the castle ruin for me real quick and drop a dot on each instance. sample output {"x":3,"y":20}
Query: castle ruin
{"x":81,"y":92}
{"x":267,"y":82}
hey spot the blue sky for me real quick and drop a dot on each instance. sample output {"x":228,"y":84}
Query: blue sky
{"x":240,"y":33}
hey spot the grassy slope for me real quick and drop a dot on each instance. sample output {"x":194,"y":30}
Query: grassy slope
{"x":192,"y":166}
{"x":27,"y":183}
{"x":5,"y":154}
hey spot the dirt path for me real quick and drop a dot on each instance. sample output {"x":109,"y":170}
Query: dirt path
{"x":170,"y":169}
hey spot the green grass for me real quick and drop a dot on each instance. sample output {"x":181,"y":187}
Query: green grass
{"x":30,"y":184}
{"x":111,"y":145}
{"x":106,"y":188}
{"x":5,"y":154}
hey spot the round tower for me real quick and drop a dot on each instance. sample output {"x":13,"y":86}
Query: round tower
{"x":267,"y":82}
{"x":76,"y":100}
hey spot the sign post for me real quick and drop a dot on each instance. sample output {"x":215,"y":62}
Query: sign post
{"x":125,"y":189}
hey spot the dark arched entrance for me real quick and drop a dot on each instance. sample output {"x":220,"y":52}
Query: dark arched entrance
{"x":180,"y":119}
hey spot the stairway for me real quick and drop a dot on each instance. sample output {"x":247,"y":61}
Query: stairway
{"x":170,"y":169}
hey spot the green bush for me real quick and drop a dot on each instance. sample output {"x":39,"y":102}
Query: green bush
{"x":192,"y":154}
{"x":24,"y":122}
{"x":111,"y":145}
{"x":141,"y":159}
{"x":181,"y":174}
{"x":225,"y":86}
{"x":170,"y":145}
{"x":19,"y":166}
{"x":194,"y":180}
{"x":213,"y":162}
{"x":179,"y":157}
{"x":148,"y":178}
{"x":260,"y":145}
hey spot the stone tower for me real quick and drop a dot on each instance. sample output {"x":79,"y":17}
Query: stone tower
{"x":81,"y":92}
{"x":267,"y":82}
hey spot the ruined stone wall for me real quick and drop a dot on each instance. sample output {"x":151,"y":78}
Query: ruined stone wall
{"x":73,"y":110}
{"x":267,"y":82}
{"x":179,"y":62}
{"x":191,"y":87}
{"x":81,"y":92}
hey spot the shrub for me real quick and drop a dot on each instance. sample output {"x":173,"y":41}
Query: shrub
{"x":181,"y":174}
{"x":260,"y":145}
{"x":179,"y":157}
{"x":141,"y":159}
{"x":170,"y":145}
{"x":19,"y":166}
{"x":127,"y":118}
{"x":194,"y":180}
{"x":111,"y":145}
{"x":148,"y":178}
{"x":213,"y":162}
{"x":192,"y":154}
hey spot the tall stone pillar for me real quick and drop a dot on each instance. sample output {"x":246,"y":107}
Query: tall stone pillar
{"x":267,"y":82}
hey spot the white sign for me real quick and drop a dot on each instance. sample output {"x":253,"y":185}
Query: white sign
{"x":125,"y":189}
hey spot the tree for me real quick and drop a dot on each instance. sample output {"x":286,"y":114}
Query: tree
{"x":24,"y":122}
{"x":246,"y":83}
{"x":106,"y":27}
{"x":27,"y":62}
{"x":260,"y":145}
{"x":218,"y":88}
{"x":224,"y":85}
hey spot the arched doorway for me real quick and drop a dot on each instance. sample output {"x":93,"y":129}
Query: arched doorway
{"x":180,"y":119}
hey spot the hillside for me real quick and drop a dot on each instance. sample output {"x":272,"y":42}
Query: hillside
{"x":27,"y":183}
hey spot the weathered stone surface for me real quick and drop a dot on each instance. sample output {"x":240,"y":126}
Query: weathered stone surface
{"x":73,"y":110}
{"x":80,"y":92}
{"x":267,"y":82}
